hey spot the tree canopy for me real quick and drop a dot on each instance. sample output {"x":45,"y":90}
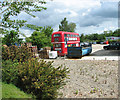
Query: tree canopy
{"x":65,"y":26}
{"x":10,"y":27}
{"x":99,"y":37}
{"x":41,"y":36}
{"x":11,"y":38}
{"x":9,"y":8}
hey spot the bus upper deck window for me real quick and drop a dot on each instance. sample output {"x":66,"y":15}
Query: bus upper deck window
{"x":74,"y":35}
{"x":71,"y":35}
{"x":68,"y":35}
{"x":65,"y":35}
{"x":56,"y":35}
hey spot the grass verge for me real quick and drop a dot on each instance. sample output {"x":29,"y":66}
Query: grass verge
{"x":11,"y":91}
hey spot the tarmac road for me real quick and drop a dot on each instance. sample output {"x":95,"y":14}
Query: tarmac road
{"x":97,"y":50}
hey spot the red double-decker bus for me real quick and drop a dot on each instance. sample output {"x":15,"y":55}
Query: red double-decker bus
{"x":61,"y":40}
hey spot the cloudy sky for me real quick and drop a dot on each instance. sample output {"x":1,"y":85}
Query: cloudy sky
{"x":90,"y":16}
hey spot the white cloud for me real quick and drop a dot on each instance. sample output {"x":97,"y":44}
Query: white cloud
{"x":87,"y":12}
{"x":27,"y":32}
{"x":79,"y":3}
{"x":83,"y":14}
{"x":106,"y":26}
{"x":68,"y":11}
{"x":90,"y":16}
{"x":109,"y":0}
{"x":105,"y":29}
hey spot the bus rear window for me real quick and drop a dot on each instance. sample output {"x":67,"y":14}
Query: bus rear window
{"x":57,"y":45}
{"x":56,"y":35}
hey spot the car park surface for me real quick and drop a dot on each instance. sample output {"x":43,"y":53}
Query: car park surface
{"x":113,"y":46}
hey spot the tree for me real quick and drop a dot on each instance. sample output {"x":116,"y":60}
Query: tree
{"x":11,"y":38}
{"x":34,"y":27}
{"x":101,"y":37}
{"x":71,"y":27}
{"x":82,"y":37}
{"x":39,"y":39}
{"x":41,"y":36}
{"x":116,"y":32}
{"x":65,"y":26}
{"x":28,"y":39}
{"x":48,"y":31}
{"x":95,"y":36}
{"x":9,"y":8}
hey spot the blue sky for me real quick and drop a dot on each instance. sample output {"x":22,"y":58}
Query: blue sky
{"x":90,"y":16}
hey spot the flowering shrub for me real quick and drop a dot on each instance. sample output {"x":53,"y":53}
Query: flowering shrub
{"x":14,"y":53}
{"x":39,"y":78}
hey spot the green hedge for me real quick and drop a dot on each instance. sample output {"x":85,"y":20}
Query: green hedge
{"x":10,"y":71}
{"x":14,"y":53}
{"x":41,"y":78}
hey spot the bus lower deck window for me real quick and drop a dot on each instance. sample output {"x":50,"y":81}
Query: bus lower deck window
{"x":57,"y":45}
{"x":73,"y":45}
{"x":56,"y":39}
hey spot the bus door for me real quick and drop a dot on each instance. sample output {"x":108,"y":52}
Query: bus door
{"x":66,"y":42}
{"x":66,"y":45}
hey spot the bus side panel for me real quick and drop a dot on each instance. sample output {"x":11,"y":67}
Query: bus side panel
{"x":64,"y":49}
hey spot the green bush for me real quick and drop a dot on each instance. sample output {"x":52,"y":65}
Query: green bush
{"x":13,"y":52}
{"x":39,"y":78}
{"x":10,"y":71}
{"x":110,"y":41}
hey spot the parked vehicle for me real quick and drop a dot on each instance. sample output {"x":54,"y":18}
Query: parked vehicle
{"x":85,"y":44}
{"x":113,"y":46}
{"x":78,"y":52}
{"x":75,"y":52}
{"x":68,"y":43}
{"x":106,"y":42}
{"x":86,"y":51}
{"x":61,"y":40}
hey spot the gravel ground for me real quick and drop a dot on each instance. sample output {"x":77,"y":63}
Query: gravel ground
{"x":90,"y":78}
